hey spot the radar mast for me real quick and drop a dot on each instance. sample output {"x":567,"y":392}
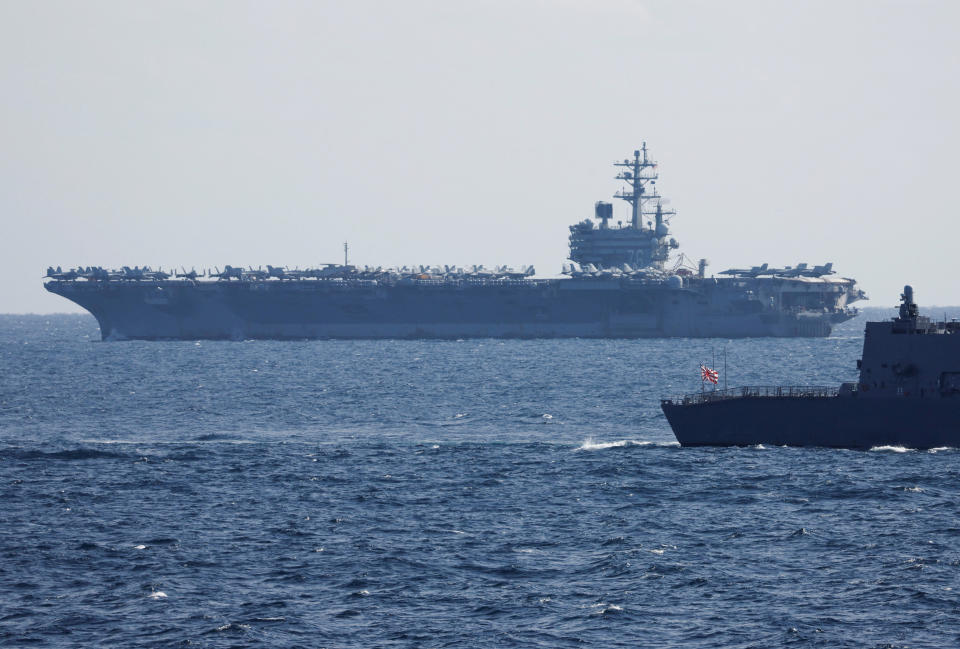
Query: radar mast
{"x":638,"y":173}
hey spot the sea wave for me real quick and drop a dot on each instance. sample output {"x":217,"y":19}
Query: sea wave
{"x":590,"y":445}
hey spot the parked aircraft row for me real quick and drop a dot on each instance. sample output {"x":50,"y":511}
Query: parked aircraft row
{"x":137,"y":273}
{"x":574,"y":269}
{"x":100,"y":274}
{"x":800,"y":270}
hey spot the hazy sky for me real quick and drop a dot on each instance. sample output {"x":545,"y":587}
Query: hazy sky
{"x":247,"y":133}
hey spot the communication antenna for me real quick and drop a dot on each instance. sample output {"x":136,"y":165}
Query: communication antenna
{"x":637,"y":174}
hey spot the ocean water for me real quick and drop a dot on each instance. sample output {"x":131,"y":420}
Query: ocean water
{"x":476,"y":493}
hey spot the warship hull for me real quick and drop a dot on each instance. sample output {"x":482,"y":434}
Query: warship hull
{"x":530,"y":308}
{"x":836,"y":422}
{"x":616,"y":284}
{"x":908,"y":395}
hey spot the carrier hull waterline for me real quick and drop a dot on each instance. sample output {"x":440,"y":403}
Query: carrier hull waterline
{"x":908,"y":395}
{"x":616,"y":284}
{"x":531,"y":309}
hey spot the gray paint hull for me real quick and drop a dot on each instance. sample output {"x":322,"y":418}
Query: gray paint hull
{"x":524,"y":309}
{"x":840,"y":422}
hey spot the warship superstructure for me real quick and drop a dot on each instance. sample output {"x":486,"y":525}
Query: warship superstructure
{"x":617,"y":282}
{"x":908,"y":395}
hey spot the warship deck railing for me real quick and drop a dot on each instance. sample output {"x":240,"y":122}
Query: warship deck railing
{"x":756,"y":392}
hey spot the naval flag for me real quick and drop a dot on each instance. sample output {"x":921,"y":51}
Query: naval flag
{"x":706,"y":374}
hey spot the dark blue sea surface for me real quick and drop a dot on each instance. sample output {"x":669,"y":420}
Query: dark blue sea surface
{"x":477,"y":493}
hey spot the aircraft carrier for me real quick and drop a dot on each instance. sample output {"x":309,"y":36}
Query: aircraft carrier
{"x":619,"y":282}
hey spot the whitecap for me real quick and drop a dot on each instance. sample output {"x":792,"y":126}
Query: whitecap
{"x":158,"y":594}
{"x":606,"y":608}
{"x":140,"y":547}
{"x":228,"y":626}
{"x":590,"y":445}
{"x":893,"y":449}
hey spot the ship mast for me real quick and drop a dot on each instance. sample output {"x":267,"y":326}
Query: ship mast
{"x":637,"y":174}
{"x":640,"y":172}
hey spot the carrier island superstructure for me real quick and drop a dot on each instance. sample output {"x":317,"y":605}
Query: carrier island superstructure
{"x":618,"y":282}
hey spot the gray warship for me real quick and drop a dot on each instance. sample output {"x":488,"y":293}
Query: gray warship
{"x":908,"y":395}
{"x":617,"y":282}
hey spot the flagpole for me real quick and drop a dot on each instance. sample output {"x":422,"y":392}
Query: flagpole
{"x":713,"y":350}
